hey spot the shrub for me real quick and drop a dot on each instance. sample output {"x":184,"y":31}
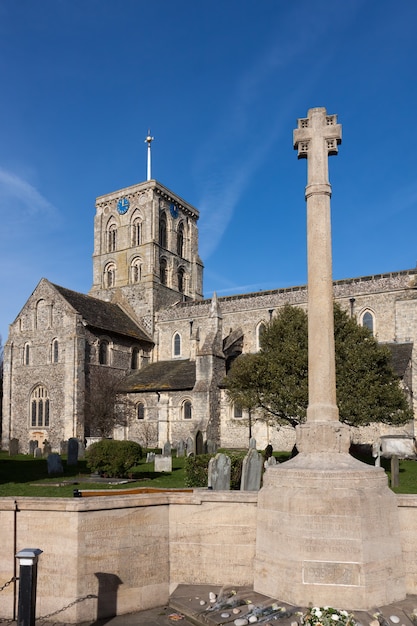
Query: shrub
{"x":114,"y":458}
{"x":196,"y":469}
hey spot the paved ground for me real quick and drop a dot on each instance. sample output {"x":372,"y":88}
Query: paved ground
{"x":190,"y":604}
{"x":185,"y":607}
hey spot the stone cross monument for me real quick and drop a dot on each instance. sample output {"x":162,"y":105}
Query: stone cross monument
{"x":327,"y":527}
{"x":317,"y":136}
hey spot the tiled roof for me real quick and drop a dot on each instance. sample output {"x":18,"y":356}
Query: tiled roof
{"x":162,"y":376}
{"x":103,"y":315}
{"x":401,"y":355}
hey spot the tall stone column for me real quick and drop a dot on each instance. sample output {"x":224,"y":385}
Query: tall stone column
{"x":327,"y":529}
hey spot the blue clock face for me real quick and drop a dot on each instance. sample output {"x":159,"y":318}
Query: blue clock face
{"x":173,"y":210}
{"x":123,"y":205}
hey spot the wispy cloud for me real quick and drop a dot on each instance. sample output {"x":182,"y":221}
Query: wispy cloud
{"x":20,"y":201}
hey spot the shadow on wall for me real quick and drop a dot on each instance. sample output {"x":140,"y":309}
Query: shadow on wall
{"x":108,"y":585}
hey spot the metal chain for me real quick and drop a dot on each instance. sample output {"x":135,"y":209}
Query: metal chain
{"x":68,"y":606}
{"x":9,"y":582}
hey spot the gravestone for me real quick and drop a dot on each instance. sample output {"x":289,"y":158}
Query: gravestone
{"x":211,"y":447}
{"x":270,"y":462}
{"x":251,"y":471}
{"x":63,"y":448}
{"x":13,"y":446}
{"x":33,"y":444}
{"x":252,"y":443}
{"x":199,"y":443}
{"x":73,"y":446}
{"x":189,"y":446}
{"x":163,"y":463}
{"x":47,"y":449}
{"x":81,"y":449}
{"x":150,"y":457}
{"x":167,"y":449}
{"x":54,"y":464}
{"x":38,"y":453}
{"x":219,"y":471}
{"x":180,"y":448}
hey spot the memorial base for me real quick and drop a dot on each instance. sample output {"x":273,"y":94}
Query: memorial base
{"x":328,"y":534}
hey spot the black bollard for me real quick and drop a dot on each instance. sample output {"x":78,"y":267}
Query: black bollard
{"x":28,"y":561}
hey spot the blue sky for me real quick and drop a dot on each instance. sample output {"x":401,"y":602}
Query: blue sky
{"x":220,"y":83}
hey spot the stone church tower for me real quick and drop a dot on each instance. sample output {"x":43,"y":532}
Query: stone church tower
{"x":146,"y":250}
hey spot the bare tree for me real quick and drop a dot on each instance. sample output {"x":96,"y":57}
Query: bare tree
{"x":148,"y":433}
{"x":104,"y":409}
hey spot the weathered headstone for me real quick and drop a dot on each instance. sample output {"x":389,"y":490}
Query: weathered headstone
{"x":270,"y":462}
{"x":190,"y":446}
{"x":47,"y":448}
{"x":81,"y":449}
{"x":252,"y":443}
{"x":73,"y":445}
{"x":211,"y":447}
{"x":33,"y":444}
{"x":63,"y":447}
{"x":167,"y":449}
{"x":163,"y":463}
{"x":199,"y":443}
{"x":251,"y":471}
{"x":219,"y":471}
{"x":37,"y":453}
{"x":54,"y":464}
{"x":150,"y":457}
{"x":13,"y":446}
{"x":180,"y":448}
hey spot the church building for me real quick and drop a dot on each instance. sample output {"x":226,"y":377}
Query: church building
{"x":146,"y":333}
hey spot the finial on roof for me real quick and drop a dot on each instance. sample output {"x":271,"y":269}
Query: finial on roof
{"x":149,"y":139}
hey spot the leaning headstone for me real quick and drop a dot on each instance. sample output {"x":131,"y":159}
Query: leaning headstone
{"x":150,"y":457}
{"x":251,"y":471}
{"x":54,"y":464}
{"x":190,"y":446}
{"x":63,"y":447}
{"x":219,"y":470}
{"x":270,"y":462}
{"x":252,"y":443}
{"x":13,"y":446}
{"x":163,"y":463}
{"x":72,"y":458}
{"x":33,"y":444}
{"x":167,"y":449}
{"x":180,"y":448}
{"x":37,"y":453}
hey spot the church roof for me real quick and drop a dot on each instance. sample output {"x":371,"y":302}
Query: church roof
{"x":401,"y":355}
{"x":162,"y":376}
{"x":102,"y":315}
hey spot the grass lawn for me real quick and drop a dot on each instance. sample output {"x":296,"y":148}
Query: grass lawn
{"x":23,"y":475}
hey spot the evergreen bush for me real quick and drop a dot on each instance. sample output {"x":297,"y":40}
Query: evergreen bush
{"x":113,"y":458}
{"x":196,"y":469}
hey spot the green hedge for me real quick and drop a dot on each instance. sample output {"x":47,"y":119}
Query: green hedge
{"x":113,"y":458}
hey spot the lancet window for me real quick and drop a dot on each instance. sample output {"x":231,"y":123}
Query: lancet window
{"x":111,"y":237}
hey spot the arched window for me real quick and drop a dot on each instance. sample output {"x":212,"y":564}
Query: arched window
{"x":140,"y":411}
{"x":111,"y":237}
{"x":177,"y":344}
{"x":180,"y":240}
{"x":237,"y":411}
{"x":136,"y":232}
{"x":136,"y":271}
{"x":110,"y":275}
{"x":104,"y":352}
{"x":39,"y":407}
{"x":163,"y":271}
{"x":135,"y":361}
{"x":163,"y":230}
{"x":181,"y":282}
{"x":26,"y":354}
{"x":368,"y":321}
{"x":55,"y":351}
{"x":259,"y":332}
{"x":187,"y":410}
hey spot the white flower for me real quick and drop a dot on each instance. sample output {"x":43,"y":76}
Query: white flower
{"x":317,"y":612}
{"x":335,"y":617}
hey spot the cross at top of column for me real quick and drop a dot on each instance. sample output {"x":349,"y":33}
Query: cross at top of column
{"x":316,"y":138}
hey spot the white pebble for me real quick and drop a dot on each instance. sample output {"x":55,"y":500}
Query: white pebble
{"x":253,"y":619}
{"x":202,"y":602}
{"x":374,"y":622}
{"x":240,"y":621}
{"x":236,"y":611}
{"x":225,"y":615}
{"x":212,"y":597}
{"x":294,"y":623}
{"x":395,"y":619}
